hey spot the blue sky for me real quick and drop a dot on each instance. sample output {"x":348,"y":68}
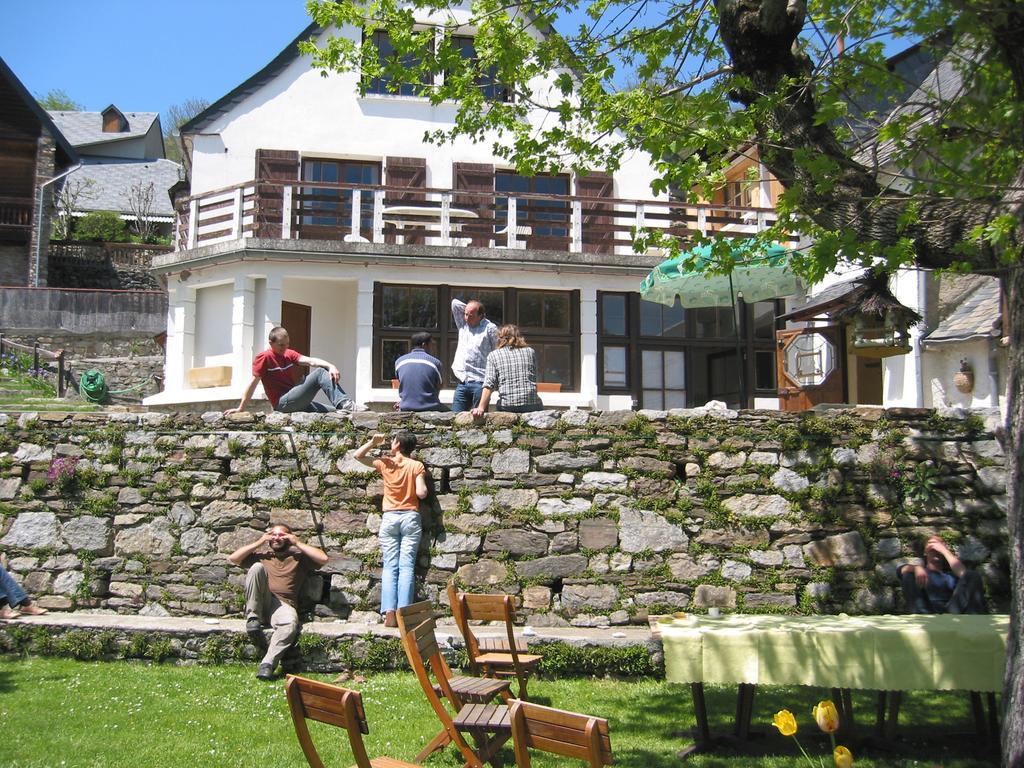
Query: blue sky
{"x":144,"y":56}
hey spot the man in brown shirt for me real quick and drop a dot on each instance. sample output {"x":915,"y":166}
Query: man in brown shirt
{"x":278,"y":563}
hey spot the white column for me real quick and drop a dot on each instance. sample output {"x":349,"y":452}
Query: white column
{"x":243,"y":305}
{"x":588,"y":344}
{"x":364,"y":340}
{"x":271,"y":307}
{"x":181,"y":325}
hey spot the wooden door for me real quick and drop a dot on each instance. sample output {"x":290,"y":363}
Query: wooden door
{"x":810,"y":367}
{"x":297,"y":320}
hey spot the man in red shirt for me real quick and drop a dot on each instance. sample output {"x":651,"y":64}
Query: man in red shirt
{"x":276,"y":368}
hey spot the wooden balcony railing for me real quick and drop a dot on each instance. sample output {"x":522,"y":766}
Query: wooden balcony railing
{"x":16,"y":212}
{"x":444,"y":217}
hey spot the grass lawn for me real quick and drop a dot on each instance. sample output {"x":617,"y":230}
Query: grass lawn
{"x":58,"y":712}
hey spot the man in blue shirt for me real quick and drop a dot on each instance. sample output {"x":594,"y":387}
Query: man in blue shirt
{"x":943,"y":584}
{"x":419,"y":377}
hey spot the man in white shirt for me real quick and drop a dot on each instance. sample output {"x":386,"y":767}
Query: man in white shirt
{"x":478,"y":337}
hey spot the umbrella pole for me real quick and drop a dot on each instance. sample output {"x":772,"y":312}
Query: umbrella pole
{"x":739,"y":344}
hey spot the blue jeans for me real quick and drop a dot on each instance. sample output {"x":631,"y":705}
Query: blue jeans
{"x":399,"y":536}
{"x":300,"y":397}
{"x":11,"y":592}
{"x":467,"y":396}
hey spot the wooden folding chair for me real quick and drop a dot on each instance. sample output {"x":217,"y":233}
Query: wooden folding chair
{"x":493,"y":657}
{"x":561,"y":733}
{"x":488,"y":724}
{"x":311,"y":700}
{"x":469,"y":690}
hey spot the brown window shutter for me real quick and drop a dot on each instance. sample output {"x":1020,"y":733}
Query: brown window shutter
{"x":272,"y":165}
{"x":476,"y":178}
{"x":410,"y":173}
{"x":598,"y":223}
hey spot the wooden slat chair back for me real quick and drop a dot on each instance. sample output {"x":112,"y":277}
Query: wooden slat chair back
{"x":413,"y":615}
{"x":561,"y":733}
{"x":341,"y":707}
{"x":506,"y":658}
{"x":434,"y":676}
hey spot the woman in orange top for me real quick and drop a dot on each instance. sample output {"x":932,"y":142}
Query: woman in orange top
{"x":405,"y":483}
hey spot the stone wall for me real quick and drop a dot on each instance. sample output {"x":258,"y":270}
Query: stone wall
{"x":590,"y":518}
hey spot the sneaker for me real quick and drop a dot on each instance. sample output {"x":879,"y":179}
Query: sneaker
{"x":252,"y":624}
{"x":265,"y":672}
{"x":353,"y":407}
{"x":7,"y":613}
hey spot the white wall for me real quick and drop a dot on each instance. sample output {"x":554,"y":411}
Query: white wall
{"x":941,"y":364}
{"x":333,"y":322}
{"x":324,"y":117}
{"x":213,"y":327}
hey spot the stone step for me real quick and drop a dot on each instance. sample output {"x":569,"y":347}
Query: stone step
{"x":215,"y":639}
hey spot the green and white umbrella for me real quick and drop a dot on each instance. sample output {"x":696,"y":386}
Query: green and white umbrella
{"x":758,"y":276}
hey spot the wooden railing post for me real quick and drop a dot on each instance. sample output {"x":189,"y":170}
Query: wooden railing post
{"x":357,"y":205}
{"x":446,"y":218}
{"x":193,"y":223}
{"x":286,"y":212}
{"x":378,"y":216}
{"x":61,"y":374}
{"x":576,"y":227}
{"x":35,"y":359}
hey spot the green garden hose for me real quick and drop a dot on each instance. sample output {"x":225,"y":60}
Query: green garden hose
{"x":93,"y":387}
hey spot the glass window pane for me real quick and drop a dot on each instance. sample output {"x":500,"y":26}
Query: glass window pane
{"x":675,"y":398}
{"x":556,"y":312}
{"x":661,"y":321}
{"x":390,"y":351}
{"x":675,"y":370}
{"x":650,"y":318}
{"x":614,"y":373}
{"x":764,"y":320}
{"x":408,"y":306}
{"x":714,"y":322}
{"x":531,"y":310}
{"x":542,"y":310}
{"x":653,"y":399}
{"x":613,"y":314}
{"x":764,"y":369}
{"x":651,"y":365}
{"x":554,"y":363}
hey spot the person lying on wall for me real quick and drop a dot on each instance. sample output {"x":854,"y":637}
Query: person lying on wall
{"x":14,"y":603}
{"x":942,"y":584}
{"x":278,"y":564}
{"x":277,"y":366}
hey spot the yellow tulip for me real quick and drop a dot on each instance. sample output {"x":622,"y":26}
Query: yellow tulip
{"x":826,"y":716}
{"x":843,"y":757}
{"x":785,"y":722}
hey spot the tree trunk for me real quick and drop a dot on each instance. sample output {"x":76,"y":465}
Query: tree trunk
{"x":1013,"y":682}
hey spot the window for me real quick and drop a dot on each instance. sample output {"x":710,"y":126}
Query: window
{"x":670,"y":357}
{"x":386,"y":56}
{"x":740,"y":193}
{"x":332,"y":207}
{"x":549,"y":321}
{"x":488,"y":83}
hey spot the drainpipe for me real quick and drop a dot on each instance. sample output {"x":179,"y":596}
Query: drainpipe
{"x":39,"y":209}
{"x":922,"y":331}
{"x":993,"y":372}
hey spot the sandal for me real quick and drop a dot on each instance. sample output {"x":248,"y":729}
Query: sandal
{"x":7,"y":613}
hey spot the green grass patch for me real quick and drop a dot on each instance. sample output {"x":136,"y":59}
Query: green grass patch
{"x":61,"y":712}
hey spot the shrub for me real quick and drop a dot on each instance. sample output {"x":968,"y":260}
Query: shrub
{"x":104,"y":226}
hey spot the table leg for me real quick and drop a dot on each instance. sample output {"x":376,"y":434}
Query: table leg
{"x":895,"y":698}
{"x":993,"y":720}
{"x":844,"y":706}
{"x":880,"y":714}
{"x":978,"y":711}
{"x":744,"y":710}
{"x":702,"y":734}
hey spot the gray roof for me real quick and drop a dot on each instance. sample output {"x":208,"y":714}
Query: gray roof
{"x":82,"y":128}
{"x":113,"y":179}
{"x":943,"y":84}
{"x":978,"y":315}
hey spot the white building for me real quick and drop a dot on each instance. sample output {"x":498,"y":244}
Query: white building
{"x":322,"y":210}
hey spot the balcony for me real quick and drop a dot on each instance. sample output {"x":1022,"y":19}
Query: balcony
{"x":446,"y":218}
{"x":16,"y":216}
